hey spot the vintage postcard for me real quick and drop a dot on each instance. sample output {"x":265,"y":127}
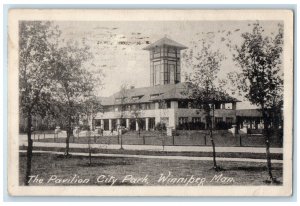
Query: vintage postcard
{"x":150,"y":102}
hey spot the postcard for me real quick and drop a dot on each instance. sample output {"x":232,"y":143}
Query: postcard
{"x":150,"y":102}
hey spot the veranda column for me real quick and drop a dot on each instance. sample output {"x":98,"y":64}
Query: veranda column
{"x":234,"y":105}
{"x":110,"y":124}
{"x":223,"y":106}
{"x":118,"y":122}
{"x":128,"y":123}
{"x":102,"y":124}
{"x":147,"y":124}
{"x":136,"y":125}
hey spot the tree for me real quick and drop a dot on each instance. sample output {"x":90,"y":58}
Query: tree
{"x":90,"y":107}
{"x":259,"y":60}
{"x":37,"y":41}
{"x":136,"y":112}
{"x":73,"y":83}
{"x":123,"y":101}
{"x":203,"y":85}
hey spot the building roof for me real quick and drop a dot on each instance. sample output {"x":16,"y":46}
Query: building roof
{"x":165,"y":41}
{"x":154,"y":94}
{"x":248,"y":113}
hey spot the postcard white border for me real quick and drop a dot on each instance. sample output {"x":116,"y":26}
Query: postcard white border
{"x":16,"y":15}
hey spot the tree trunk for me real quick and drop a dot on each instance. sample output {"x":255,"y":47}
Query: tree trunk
{"x":267,"y":144}
{"x":213,"y":147}
{"x":211,"y":119}
{"x":121,"y":140}
{"x":29,"y":149}
{"x":68,"y":137}
{"x":90,"y":150}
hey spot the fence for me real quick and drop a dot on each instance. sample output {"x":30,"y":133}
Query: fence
{"x":182,"y":138}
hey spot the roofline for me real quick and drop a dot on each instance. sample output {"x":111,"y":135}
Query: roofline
{"x":157,"y":100}
{"x":149,"y":47}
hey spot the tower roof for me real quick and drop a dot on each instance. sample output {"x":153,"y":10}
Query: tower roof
{"x":165,"y":41}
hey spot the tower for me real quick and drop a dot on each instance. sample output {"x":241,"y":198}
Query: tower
{"x":164,"y":61}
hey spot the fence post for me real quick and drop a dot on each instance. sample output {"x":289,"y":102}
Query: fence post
{"x":33,"y":136}
{"x":38,"y":137}
{"x":44,"y":135}
{"x":204,"y":140}
{"x":173,"y":137}
{"x":144,"y":140}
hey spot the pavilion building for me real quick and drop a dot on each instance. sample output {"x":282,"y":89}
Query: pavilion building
{"x":164,"y":101}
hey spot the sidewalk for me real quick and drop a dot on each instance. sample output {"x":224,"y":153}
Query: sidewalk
{"x":162,"y":157}
{"x":255,"y":150}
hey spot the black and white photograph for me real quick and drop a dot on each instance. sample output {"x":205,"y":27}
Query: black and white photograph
{"x":150,"y":102}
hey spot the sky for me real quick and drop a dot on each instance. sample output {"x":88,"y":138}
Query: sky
{"x":118,"y":46}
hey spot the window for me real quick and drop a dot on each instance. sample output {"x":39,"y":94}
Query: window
{"x":178,"y":73}
{"x":229,"y":120}
{"x":218,"y":119}
{"x":152,"y":96}
{"x":196,"y":119}
{"x":172,"y":73}
{"x":157,"y":73}
{"x":152,"y":105}
{"x":151,"y":123}
{"x":136,"y":97}
{"x":152,"y":54}
{"x":147,"y":106}
{"x":183,"y":122}
{"x":121,"y":100}
{"x":183,"y":104}
{"x":164,"y":105}
{"x":195,"y":105}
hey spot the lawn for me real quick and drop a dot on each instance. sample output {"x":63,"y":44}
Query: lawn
{"x":141,"y":171}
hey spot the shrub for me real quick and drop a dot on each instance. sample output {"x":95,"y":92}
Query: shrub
{"x":191,"y":126}
{"x":160,"y":126}
{"x":222,"y":125}
{"x":84,"y":127}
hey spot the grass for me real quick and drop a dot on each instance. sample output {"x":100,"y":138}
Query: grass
{"x":241,"y":173}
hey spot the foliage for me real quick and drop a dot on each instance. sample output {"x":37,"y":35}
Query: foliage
{"x":160,"y":126}
{"x":203,"y":84}
{"x":259,"y":59}
{"x":73,"y":85}
{"x":191,"y":126}
{"x":36,"y":45}
{"x":260,"y":78}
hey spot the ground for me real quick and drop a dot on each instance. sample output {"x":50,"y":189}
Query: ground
{"x":148,"y":170}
